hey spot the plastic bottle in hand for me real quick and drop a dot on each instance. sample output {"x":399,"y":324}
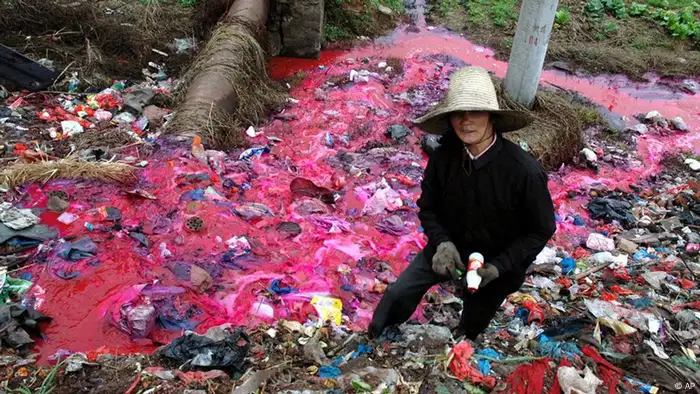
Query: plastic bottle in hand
{"x":476,"y":261}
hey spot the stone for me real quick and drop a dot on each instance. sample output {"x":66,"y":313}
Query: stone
{"x":640,"y":128}
{"x":627,"y":246}
{"x":679,"y":124}
{"x":690,"y":86}
{"x":136,"y":100}
{"x":397,"y":132}
{"x":56,"y":204}
{"x":384,"y":9}
{"x":301,"y":27}
{"x":693,"y":164}
{"x":425,"y":332}
{"x":430,"y":143}
{"x":588,"y":155}
{"x":155,"y":115}
{"x":670,"y":224}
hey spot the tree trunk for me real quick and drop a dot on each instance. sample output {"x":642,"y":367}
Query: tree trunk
{"x":227,"y":87}
{"x":529,"y":49}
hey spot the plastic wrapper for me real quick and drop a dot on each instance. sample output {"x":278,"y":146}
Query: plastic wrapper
{"x":138,"y":320}
{"x":600,"y":242}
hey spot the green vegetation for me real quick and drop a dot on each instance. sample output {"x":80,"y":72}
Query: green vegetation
{"x":562,"y":17}
{"x":613,"y":36}
{"x":680,"y":22}
{"x":348,"y":19}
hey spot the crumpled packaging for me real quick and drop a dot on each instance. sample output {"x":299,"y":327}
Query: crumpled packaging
{"x":17,"y":219}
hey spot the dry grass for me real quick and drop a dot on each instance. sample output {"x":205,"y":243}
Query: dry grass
{"x":23,"y":173}
{"x":233,"y":53}
{"x":556,"y":135}
{"x":109,"y":139}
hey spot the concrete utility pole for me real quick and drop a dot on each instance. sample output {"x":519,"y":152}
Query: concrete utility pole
{"x":529,"y":49}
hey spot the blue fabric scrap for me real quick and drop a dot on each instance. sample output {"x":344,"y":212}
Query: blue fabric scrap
{"x":361,"y":349}
{"x":556,"y":349}
{"x":485,"y":365}
{"x":328,"y":372}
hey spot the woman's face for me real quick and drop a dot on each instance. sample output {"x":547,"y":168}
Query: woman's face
{"x":472,"y":127}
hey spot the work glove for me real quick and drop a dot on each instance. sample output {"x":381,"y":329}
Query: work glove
{"x":487,"y":273}
{"x":447,"y":261}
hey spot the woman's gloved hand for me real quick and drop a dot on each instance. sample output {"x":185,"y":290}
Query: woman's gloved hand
{"x":447,"y":260}
{"x":487,"y":273}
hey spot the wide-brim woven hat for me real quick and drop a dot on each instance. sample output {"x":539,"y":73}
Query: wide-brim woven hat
{"x":471,"y":89}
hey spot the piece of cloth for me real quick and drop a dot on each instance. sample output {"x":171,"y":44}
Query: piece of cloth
{"x":78,"y":250}
{"x":38,"y":232}
{"x":403,"y":296}
{"x":203,"y":351}
{"x":528,"y":378}
{"x":609,"y":209}
{"x":498,"y":205}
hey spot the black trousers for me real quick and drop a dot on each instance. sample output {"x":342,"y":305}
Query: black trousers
{"x":402,"y":297}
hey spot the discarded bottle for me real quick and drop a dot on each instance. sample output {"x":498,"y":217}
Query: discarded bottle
{"x":476,"y":261}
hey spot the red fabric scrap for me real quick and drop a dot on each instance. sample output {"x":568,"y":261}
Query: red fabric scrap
{"x":528,"y":378}
{"x":134,"y":385}
{"x":692,"y":305}
{"x":461,"y":368}
{"x":609,"y":374}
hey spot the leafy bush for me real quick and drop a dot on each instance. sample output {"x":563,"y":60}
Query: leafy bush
{"x":562,"y":17}
{"x":681,"y":23}
{"x":596,"y":9}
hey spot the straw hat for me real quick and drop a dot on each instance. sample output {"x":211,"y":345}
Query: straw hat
{"x":471,"y":89}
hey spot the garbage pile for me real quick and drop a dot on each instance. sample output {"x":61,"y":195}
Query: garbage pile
{"x":297,"y":236}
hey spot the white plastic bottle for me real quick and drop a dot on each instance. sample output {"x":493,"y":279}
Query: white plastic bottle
{"x":476,"y":261}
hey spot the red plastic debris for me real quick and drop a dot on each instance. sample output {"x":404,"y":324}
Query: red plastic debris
{"x":619,"y":290}
{"x":461,"y":368}
{"x":536,"y":312}
{"x":608,"y":296}
{"x":687,"y":284}
{"x":563,"y":281}
{"x":528,"y":378}
{"x":580,"y":254}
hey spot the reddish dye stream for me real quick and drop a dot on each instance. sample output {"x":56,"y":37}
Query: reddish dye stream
{"x":315,"y":262}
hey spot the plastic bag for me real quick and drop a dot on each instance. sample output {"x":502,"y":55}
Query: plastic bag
{"x":328,"y":309}
{"x":600,"y":242}
{"x":572,"y":382}
{"x":462,"y":369}
{"x":546,"y":256}
{"x":383,"y":199}
{"x":138,"y":320}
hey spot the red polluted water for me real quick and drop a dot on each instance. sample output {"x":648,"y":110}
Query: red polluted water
{"x":266,"y":250}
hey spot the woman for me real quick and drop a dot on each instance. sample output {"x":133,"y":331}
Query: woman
{"x":480,"y":193}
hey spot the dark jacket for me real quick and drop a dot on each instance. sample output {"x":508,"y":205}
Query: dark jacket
{"x":497,"y":205}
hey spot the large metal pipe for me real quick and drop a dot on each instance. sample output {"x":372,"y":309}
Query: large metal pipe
{"x":231,"y":65}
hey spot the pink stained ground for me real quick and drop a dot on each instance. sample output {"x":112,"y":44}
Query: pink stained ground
{"x":315,"y":261}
